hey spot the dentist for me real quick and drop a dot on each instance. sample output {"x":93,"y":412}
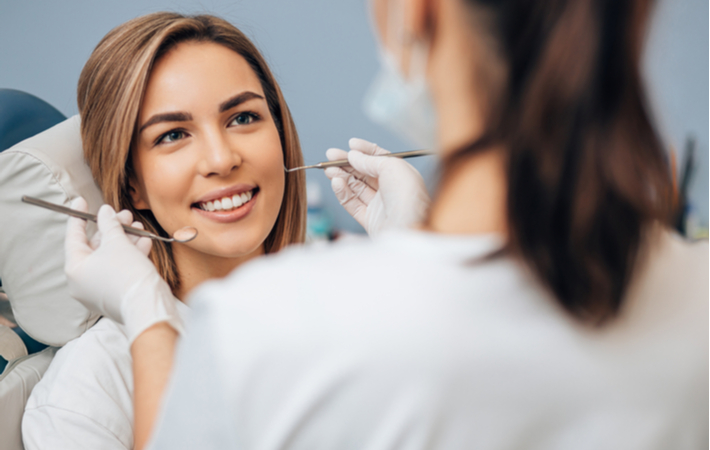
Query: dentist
{"x":542,"y":302}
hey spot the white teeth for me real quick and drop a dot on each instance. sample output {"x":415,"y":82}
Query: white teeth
{"x":227,"y":203}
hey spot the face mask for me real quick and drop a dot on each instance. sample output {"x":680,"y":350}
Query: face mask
{"x":403,"y":105}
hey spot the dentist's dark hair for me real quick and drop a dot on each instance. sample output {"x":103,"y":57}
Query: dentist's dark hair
{"x":587,"y":176}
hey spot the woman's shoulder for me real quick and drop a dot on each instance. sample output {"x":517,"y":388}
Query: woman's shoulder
{"x":103,"y":347}
{"x":89,"y":379}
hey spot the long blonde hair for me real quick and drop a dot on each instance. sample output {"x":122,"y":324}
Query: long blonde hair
{"x":110,"y":93}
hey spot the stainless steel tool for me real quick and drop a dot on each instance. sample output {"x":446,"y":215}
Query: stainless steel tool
{"x":182,"y":235}
{"x":344,"y":162}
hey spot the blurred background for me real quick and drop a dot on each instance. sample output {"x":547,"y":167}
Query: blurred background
{"x":324,"y":56}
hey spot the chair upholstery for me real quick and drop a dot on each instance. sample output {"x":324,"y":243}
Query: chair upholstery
{"x":49,"y":166}
{"x":16,"y":384}
{"x":23,"y":115}
{"x":40,"y":155}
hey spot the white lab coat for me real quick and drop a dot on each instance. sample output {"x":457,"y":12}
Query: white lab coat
{"x":406,"y":343}
{"x":85,"y":399}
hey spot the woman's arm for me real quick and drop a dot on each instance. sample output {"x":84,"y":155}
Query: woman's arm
{"x":153,"y":354}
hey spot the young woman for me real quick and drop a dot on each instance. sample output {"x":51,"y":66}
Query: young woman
{"x":544,"y":304}
{"x":183,"y":124}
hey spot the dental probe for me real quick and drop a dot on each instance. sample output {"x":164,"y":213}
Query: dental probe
{"x":182,"y":235}
{"x":344,"y":162}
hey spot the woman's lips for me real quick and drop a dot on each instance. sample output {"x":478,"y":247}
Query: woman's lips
{"x":218,"y":194}
{"x":230,"y":216}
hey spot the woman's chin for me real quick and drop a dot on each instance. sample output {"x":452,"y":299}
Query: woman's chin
{"x":237,"y":252}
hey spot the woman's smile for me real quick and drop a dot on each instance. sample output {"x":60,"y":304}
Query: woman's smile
{"x":227,"y":205}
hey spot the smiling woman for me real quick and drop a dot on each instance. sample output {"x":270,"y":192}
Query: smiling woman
{"x":207,"y":137}
{"x":182,"y":124}
{"x":198,"y":122}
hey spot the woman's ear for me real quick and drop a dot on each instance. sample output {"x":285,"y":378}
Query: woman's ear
{"x":137,"y":198}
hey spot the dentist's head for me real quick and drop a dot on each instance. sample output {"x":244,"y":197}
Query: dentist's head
{"x":542,"y":123}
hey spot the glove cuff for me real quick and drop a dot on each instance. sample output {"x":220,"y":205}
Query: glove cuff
{"x":147,"y":303}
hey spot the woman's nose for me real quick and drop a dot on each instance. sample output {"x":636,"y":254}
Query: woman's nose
{"x":219,"y":156}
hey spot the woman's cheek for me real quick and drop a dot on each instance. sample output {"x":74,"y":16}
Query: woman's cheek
{"x":276,"y":173}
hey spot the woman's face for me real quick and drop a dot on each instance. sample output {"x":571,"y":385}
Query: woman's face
{"x":208,"y":154}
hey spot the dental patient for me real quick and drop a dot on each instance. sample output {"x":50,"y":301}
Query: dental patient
{"x":182,"y":125}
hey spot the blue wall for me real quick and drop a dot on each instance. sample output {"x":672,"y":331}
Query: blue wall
{"x":324,"y":56}
{"x":676,"y":68}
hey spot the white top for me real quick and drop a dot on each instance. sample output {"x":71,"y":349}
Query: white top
{"x":399,"y":343}
{"x":85,"y":399}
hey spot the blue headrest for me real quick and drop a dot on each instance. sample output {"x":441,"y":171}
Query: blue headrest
{"x":23,"y":115}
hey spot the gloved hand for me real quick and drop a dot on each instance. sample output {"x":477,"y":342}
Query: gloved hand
{"x":113,"y":276}
{"x":380,"y":193}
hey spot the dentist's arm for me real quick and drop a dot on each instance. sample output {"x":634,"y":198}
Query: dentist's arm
{"x":112,"y":275}
{"x":153,"y":354}
{"x":380,"y":193}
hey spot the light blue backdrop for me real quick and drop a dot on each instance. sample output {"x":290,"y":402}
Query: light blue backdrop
{"x":324,"y":56}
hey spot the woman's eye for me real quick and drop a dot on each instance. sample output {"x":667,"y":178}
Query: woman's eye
{"x":171,"y":136}
{"x":244,"y":119}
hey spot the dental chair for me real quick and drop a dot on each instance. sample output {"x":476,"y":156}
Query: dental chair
{"x":23,"y":115}
{"x":50,"y":166}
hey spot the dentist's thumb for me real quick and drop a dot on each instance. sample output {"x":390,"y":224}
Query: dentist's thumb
{"x":372,"y":166}
{"x":108,"y":225}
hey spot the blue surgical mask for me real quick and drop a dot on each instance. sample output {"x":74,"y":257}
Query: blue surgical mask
{"x":402,"y":105}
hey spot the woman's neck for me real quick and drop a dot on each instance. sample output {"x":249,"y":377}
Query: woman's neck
{"x":194,"y":268}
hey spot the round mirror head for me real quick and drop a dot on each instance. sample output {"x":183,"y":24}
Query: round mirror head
{"x":185,"y":234}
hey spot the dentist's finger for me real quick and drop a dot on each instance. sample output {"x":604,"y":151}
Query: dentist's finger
{"x":333,"y":172}
{"x":347,"y":198}
{"x":132,"y":237}
{"x":371,"y":166}
{"x":333,"y":154}
{"x":76,"y":244}
{"x":366,"y":147}
{"x":345,"y":172}
{"x":143,"y":244}
{"x":125,"y":217}
{"x":109,"y":225}
{"x":95,"y":241}
{"x":358,"y":187}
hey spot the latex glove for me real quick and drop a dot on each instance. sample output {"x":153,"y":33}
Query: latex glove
{"x":113,"y":275}
{"x":380,"y":193}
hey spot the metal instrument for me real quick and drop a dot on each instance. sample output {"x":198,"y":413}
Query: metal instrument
{"x":344,"y":162}
{"x":182,"y":235}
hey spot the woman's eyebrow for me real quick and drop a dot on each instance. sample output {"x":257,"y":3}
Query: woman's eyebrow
{"x":166,"y":117}
{"x":237,"y":99}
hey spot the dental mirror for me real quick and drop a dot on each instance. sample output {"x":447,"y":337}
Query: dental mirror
{"x":185,"y":234}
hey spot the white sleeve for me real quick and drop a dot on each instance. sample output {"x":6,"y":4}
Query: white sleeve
{"x":257,"y":369}
{"x":52,"y":428}
{"x":194,"y":413}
